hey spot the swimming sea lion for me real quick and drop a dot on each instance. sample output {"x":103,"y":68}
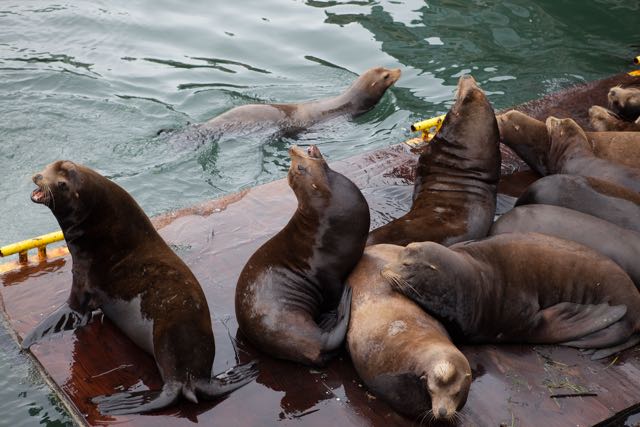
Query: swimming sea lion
{"x":588,"y":195}
{"x":625,"y":102}
{"x":454,"y":195}
{"x":290,"y":284}
{"x":570,"y":153}
{"x":122,"y":266}
{"x":528,"y":137}
{"x":620,"y":244}
{"x":401,"y":353}
{"x":523,"y":288}
{"x":604,"y":120}
{"x":359,"y":98}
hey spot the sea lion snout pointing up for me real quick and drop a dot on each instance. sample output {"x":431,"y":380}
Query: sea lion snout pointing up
{"x":122,"y":266}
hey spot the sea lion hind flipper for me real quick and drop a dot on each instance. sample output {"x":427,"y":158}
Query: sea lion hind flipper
{"x":227,"y":381}
{"x":136,"y":402}
{"x":63,"y":319}
{"x":601,"y":353}
{"x":569,"y":321}
{"x":610,"y":337}
{"x":334,"y":337}
{"x":404,"y":391}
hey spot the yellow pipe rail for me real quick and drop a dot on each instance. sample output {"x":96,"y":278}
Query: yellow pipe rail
{"x":636,"y":60}
{"x":425,"y":125}
{"x":39,"y":242}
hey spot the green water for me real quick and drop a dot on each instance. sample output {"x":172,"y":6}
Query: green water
{"x":94,"y":81}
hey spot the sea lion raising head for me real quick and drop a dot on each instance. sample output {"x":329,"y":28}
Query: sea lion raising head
{"x":122,"y":266}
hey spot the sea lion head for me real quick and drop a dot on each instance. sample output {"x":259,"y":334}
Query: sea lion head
{"x":603,"y":120}
{"x":527,"y":137}
{"x":566,"y":128}
{"x":423,"y":272}
{"x":625,"y":102}
{"x":369,"y":87}
{"x":448,"y":381}
{"x":64,"y":187}
{"x":308,"y":176}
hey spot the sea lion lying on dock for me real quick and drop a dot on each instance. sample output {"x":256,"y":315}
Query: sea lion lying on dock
{"x":625,"y":102}
{"x":454,"y":196}
{"x":291,"y":301}
{"x":522,"y":288}
{"x":401,"y":353}
{"x":604,"y":120}
{"x":123,"y":267}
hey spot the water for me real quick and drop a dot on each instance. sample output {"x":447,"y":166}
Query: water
{"x":94,"y":81}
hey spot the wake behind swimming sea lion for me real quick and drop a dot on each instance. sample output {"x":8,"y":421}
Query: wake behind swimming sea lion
{"x":454,"y":196}
{"x":401,"y":353}
{"x":570,"y":153}
{"x":588,"y":195}
{"x":291,"y":283}
{"x":620,"y":244}
{"x":359,"y":98}
{"x":604,"y":120}
{"x":122,"y":266}
{"x":528,"y":137}
{"x":523,"y":288}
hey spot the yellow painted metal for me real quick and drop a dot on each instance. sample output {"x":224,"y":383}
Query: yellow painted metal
{"x":34,"y":259}
{"x":36,"y":242}
{"x":635,"y":73}
{"x":426,"y":125}
{"x":636,"y":60}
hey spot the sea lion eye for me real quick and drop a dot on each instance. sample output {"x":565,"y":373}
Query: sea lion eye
{"x":302,"y":168}
{"x":385,"y":76}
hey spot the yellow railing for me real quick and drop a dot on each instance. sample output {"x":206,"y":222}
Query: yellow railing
{"x":425,"y":126}
{"x":636,"y":60}
{"x":40,"y":242}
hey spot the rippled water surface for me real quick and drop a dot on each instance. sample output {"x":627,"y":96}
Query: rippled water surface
{"x":95,"y":81}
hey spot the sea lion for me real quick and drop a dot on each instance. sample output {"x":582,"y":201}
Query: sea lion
{"x":401,"y":353}
{"x":454,"y":195}
{"x":359,"y":98}
{"x":570,"y":153}
{"x":620,"y":244}
{"x":522,"y":288}
{"x":122,"y":266}
{"x":588,"y":195}
{"x":528,"y":137}
{"x":604,"y":120}
{"x":625,"y":102}
{"x":291,"y":284}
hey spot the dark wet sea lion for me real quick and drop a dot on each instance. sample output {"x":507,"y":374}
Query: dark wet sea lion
{"x":620,"y":244}
{"x":523,"y":288}
{"x":122,"y":266}
{"x":454,"y":196}
{"x":359,"y":98}
{"x":290,"y":285}
{"x":528,"y":137}
{"x":570,"y":153}
{"x":592,"y":196}
{"x":604,"y":120}
{"x":625,"y":102}
{"x":401,"y":353}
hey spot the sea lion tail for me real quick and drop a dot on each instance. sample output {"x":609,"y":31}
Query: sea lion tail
{"x":136,"y":402}
{"x":227,"y":381}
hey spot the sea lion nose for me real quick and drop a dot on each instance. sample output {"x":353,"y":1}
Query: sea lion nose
{"x":37,"y":177}
{"x":442,"y":412}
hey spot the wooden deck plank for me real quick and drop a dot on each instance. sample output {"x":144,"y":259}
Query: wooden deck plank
{"x":512,"y":384}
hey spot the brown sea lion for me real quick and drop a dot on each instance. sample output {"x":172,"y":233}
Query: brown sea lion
{"x":454,"y":196}
{"x":401,"y":353}
{"x":290,"y":285}
{"x":592,"y":196}
{"x":570,"y":153}
{"x":604,"y":120}
{"x":359,"y":98}
{"x":523,"y":288}
{"x":625,"y":102}
{"x":528,"y":137}
{"x":620,"y":244}
{"x":122,"y":266}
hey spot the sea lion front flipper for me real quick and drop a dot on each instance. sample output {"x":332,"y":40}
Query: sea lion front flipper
{"x":569,"y":321}
{"x":228,"y":381}
{"x":335,"y":336}
{"x":405,"y":391}
{"x":136,"y":402}
{"x":63,"y":319}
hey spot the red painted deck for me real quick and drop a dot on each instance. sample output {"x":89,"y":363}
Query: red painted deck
{"x":512,"y":385}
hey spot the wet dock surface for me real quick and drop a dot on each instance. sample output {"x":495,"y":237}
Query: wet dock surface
{"x":512,"y":385}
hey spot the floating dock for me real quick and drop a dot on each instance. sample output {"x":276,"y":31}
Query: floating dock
{"x":513,"y":385}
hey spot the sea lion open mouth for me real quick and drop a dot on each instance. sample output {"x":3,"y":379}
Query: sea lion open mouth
{"x":39,"y":196}
{"x":312,"y":152}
